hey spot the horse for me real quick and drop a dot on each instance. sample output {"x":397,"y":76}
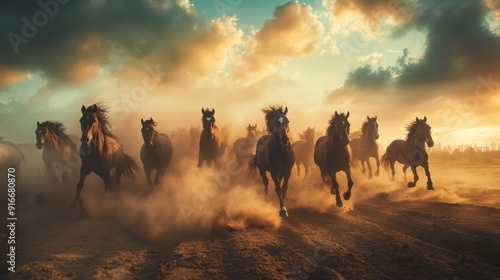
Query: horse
{"x":211,"y":144}
{"x":304,"y":149}
{"x":193,"y":133}
{"x":365,"y":146}
{"x":331,"y":154}
{"x":10,"y":156}
{"x":60,"y":154}
{"x":411,"y":152}
{"x":156,"y":152}
{"x":242,"y":147}
{"x":101,"y":151}
{"x":274,"y":153}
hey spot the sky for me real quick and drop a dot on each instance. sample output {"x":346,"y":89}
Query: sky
{"x":167,"y":59}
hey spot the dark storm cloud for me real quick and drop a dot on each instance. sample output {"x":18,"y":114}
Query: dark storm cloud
{"x":367,"y":77}
{"x":64,"y":41}
{"x":459,"y":42}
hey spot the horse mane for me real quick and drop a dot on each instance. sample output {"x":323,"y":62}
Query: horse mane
{"x":103,"y":118}
{"x":270,"y":113}
{"x":58,"y":129}
{"x":329,"y":130}
{"x":412,"y":129}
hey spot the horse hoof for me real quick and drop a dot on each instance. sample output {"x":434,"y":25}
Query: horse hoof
{"x":430,"y":188}
{"x":411,"y":184}
{"x":283,"y":213}
{"x":347,"y":196}
{"x":339,"y":203}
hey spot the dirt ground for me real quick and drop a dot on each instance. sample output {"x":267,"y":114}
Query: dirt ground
{"x":206,"y":224}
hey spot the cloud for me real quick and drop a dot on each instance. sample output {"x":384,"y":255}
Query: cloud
{"x":367,"y":77}
{"x":83,"y":37}
{"x":10,"y":77}
{"x":293,"y":32}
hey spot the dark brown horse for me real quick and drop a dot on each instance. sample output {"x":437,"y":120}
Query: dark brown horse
{"x":243,"y":147}
{"x":331,"y":154}
{"x":411,"y":152}
{"x":156,"y":152}
{"x":274,"y":154}
{"x":365,"y":146}
{"x":101,"y":151}
{"x":304,"y":149}
{"x":60,"y":154}
{"x":211,"y":144}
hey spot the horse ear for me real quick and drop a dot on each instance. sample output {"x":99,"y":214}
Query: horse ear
{"x":347,"y":114}
{"x":286,"y":111}
{"x":213,"y":111}
{"x":367,"y":117}
{"x":37,"y":123}
{"x":151,"y":119}
{"x":83,"y":109}
{"x":425,"y":118}
{"x":142,"y":121}
{"x":375,"y":117}
{"x":94,"y":108}
{"x":336,"y":114}
{"x":416,"y":119}
{"x":202,"y":110}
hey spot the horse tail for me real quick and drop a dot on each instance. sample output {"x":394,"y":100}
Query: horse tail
{"x":252,"y":163}
{"x":385,"y":159}
{"x":129,"y":166}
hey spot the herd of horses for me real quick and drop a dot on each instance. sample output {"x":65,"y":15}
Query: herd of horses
{"x":102,"y":153}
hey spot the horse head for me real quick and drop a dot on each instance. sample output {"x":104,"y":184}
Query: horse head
{"x":89,"y":124}
{"x":279,"y":126}
{"x":147,"y":131}
{"x":341,"y":127}
{"x":373,"y":127}
{"x":208,"y":122}
{"x":41,"y":134}
{"x":423,"y":132}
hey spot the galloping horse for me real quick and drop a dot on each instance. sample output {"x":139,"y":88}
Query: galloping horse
{"x":211,"y":144}
{"x":304,"y":149}
{"x":411,"y":152}
{"x":60,"y":154}
{"x":365,"y":146}
{"x":331,"y":154}
{"x":242,"y":147}
{"x":275,"y":154}
{"x":156,"y":152}
{"x":10,"y":156}
{"x":101,"y":151}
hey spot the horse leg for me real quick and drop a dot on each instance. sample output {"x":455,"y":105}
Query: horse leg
{"x":378,"y":165}
{"x":306,"y":169}
{"x":200,"y":161}
{"x":405,"y":167}
{"x":79,"y":186}
{"x":393,"y":172}
{"x":363,"y":169}
{"x":298,"y":169}
{"x":263,"y":174}
{"x":283,"y":212}
{"x":159,"y":174}
{"x":370,"y":174}
{"x":415,"y":177}
{"x":428,"y":174}
{"x":335,"y":189}
{"x":147,"y":171}
{"x":350,"y":183}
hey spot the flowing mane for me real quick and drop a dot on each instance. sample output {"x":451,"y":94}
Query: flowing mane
{"x":270,"y":114}
{"x":103,"y":118}
{"x":411,"y":128}
{"x":59,"y":131}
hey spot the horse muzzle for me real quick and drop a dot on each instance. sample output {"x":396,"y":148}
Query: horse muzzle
{"x":39,"y":146}
{"x":430,"y":143}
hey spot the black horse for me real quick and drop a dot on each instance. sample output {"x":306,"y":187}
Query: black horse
{"x":411,"y":152}
{"x":101,"y":151}
{"x":211,"y":144}
{"x":331,"y":154}
{"x":365,"y":146}
{"x":156,"y":152}
{"x":274,"y":154}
